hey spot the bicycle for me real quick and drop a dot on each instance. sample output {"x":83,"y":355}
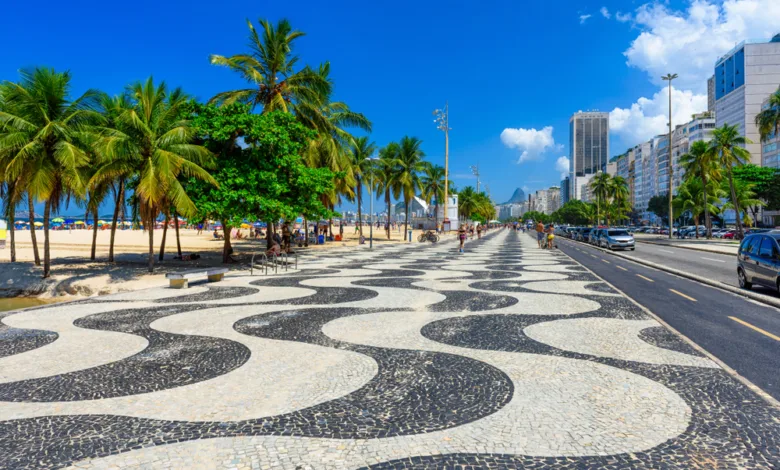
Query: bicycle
{"x":428,"y":236}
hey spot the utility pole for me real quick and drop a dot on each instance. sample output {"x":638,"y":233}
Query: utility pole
{"x":669,"y":78}
{"x":475,"y":171}
{"x":442,"y":121}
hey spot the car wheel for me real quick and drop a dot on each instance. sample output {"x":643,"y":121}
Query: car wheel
{"x":743,"y":282}
{"x":632,"y":249}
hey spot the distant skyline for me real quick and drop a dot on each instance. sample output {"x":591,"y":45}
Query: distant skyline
{"x":513,"y":72}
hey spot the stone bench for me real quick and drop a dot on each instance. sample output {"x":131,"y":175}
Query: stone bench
{"x":181,"y":280}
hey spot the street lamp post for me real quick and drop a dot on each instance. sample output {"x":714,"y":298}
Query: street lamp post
{"x":442,"y":121}
{"x":475,"y":171}
{"x":669,"y":78}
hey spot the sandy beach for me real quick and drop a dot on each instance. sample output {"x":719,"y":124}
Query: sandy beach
{"x":73,"y":274}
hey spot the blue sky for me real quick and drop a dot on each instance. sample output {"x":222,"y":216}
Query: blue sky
{"x":501,"y":64}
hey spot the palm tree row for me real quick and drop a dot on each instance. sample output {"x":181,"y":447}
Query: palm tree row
{"x":475,"y":206}
{"x":612,"y":197}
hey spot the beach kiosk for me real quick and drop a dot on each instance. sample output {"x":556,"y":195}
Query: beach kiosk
{"x":3,"y":232}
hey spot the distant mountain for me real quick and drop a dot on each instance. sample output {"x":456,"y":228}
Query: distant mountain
{"x":517,"y":198}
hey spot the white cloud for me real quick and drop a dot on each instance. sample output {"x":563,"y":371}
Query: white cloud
{"x":562,"y":165}
{"x":648,"y":117}
{"x":605,"y":13}
{"x":584,"y":18}
{"x":689,"y":42}
{"x":623,"y":17}
{"x":526,"y":189}
{"x":530,"y":142}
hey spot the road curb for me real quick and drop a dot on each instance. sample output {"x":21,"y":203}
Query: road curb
{"x":729,"y":370}
{"x":772,"y":302}
{"x":684,"y":247}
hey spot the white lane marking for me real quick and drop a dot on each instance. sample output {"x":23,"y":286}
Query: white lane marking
{"x":667,"y":251}
{"x":716,"y":260}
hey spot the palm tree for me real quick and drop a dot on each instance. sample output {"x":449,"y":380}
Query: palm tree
{"x":619,"y":193}
{"x":269,"y":68}
{"x":768,"y":120}
{"x":360,"y":160}
{"x":699,"y":161}
{"x":727,"y":148}
{"x":386,"y":180}
{"x":601,"y":185}
{"x":410,"y":162}
{"x":432,"y":185}
{"x":745,"y":198}
{"x":467,"y":202}
{"x":40,"y":125}
{"x":691,"y":196}
{"x":123,"y":163}
{"x":152,"y":138}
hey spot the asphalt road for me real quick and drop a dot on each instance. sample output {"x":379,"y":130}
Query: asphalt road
{"x":742,"y":333}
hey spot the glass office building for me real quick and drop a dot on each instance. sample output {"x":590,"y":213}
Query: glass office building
{"x":588,"y":145}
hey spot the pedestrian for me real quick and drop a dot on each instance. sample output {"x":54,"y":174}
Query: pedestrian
{"x":540,"y":234}
{"x":479,"y":231}
{"x":341,"y":229}
{"x":550,"y":236}
{"x":462,"y":237}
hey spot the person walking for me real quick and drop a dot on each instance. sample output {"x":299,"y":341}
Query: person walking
{"x":550,"y":236}
{"x":462,"y":237}
{"x":540,"y":234}
{"x":479,"y":231}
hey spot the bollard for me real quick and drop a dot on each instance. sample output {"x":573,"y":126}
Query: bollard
{"x":410,"y":235}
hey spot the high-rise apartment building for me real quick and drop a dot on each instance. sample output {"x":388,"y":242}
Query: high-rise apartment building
{"x":711,"y":94}
{"x":565,"y":188}
{"x":588,"y":146}
{"x":744,"y":77}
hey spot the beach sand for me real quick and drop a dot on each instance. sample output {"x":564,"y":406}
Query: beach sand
{"x":74,"y":275}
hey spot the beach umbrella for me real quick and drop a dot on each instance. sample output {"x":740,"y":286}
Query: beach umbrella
{"x":68,"y":221}
{"x":78,"y":222}
{"x":58,"y":220}
{"x":39,"y":224}
{"x":245,"y":226}
{"x":102,"y":222}
{"x":127,"y":222}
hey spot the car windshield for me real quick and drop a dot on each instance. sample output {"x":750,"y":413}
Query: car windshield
{"x":618,"y":233}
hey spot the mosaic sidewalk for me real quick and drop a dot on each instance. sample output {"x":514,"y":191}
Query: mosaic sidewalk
{"x":410,"y":356}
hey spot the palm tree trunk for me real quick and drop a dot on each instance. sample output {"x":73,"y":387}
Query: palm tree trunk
{"x":737,"y":217}
{"x":46,"y":252}
{"x":305,"y":232}
{"x":269,"y":226}
{"x":387,"y":200}
{"x":406,"y":219}
{"x":94,"y":233}
{"x":707,"y":221}
{"x":696,"y":223}
{"x":119,"y":202}
{"x":359,"y":204}
{"x":150,"y":228}
{"x":226,"y":246}
{"x":165,"y":232}
{"x":12,"y":219}
{"x":31,"y":209}
{"x":178,"y":240}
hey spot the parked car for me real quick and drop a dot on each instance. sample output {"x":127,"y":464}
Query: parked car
{"x":729,"y":235}
{"x":614,"y":238}
{"x":758,"y":261}
{"x":593,"y":239}
{"x":584,"y":235}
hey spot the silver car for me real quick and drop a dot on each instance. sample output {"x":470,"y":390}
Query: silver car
{"x":614,"y":238}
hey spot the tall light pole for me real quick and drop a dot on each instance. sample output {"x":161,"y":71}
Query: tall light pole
{"x":442,"y":121}
{"x":669,"y":78}
{"x":475,"y":171}
{"x":371,"y":203}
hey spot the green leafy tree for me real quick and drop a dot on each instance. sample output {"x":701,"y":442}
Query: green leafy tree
{"x":467,"y":202}
{"x":160,"y":146}
{"x":727,"y":147}
{"x":265,"y":179}
{"x":573,"y":212}
{"x":764,"y":182}
{"x":745,"y":197}
{"x":40,"y":124}
{"x":659,"y":205}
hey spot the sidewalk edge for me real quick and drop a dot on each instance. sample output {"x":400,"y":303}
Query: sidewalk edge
{"x":683,"y":247}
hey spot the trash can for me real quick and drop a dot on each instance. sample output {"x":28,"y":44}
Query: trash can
{"x":321,"y":239}
{"x":410,"y":235}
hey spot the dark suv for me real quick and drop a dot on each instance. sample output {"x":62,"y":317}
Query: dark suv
{"x":759,"y":260}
